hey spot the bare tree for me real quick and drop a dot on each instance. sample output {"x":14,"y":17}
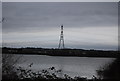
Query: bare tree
{"x":8,"y":65}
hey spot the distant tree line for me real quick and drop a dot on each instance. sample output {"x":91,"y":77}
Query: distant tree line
{"x":61,"y":52}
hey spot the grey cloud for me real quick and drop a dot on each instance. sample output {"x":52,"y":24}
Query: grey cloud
{"x":22,"y":16}
{"x":25,"y":21}
{"x":60,"y":1}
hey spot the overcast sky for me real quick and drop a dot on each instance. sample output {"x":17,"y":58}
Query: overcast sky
{"x":88,"y":25}
{"x":60,"y":0}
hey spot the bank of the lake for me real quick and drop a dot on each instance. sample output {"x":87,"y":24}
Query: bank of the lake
{"x":73,"y":66}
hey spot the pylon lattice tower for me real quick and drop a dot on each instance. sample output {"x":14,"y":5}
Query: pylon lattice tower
{"x":61,"y":41}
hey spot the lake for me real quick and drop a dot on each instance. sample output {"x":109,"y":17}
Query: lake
{"x":73,"y":66}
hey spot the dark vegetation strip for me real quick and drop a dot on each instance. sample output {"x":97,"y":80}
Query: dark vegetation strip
{"x":62,"y":52}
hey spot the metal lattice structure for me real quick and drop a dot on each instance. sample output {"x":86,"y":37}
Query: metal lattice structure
{"x":61,"y":41}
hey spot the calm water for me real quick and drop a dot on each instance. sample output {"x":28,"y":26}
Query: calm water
{"x":73,"y":66}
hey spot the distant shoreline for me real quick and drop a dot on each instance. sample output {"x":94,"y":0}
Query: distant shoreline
{"x":61,"y":52}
